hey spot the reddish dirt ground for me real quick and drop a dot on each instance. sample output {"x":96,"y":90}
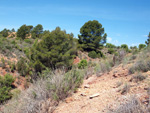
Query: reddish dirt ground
{"x":105,"y":87}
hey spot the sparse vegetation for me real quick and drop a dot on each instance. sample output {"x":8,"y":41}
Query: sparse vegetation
{"x":138,"y":77}
{"x":43,"y":64}
{"x":132,"y":105}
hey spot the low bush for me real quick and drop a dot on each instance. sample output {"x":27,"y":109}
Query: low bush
{"x":141,"y":65}
{"x":28,"y":41}
{"x":92,"y":54}
{"x":125,"y":89}
{"x":138,"y":77}
{"x":3,"y":62}
{"x":23,"y":67}
{"x":103,"y":67}
{"x":53,"y":85}
{"x":131,"y":105}
{"x":83,"y":63}
{"x":5,"y":87}
{"x":111,"y":50}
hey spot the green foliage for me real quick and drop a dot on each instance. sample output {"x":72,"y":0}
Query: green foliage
{"x":92,"y":54}
{"x":125,"y":47}
{"x":5,"y":32}
{"x":133,"y":47}
{"x":55,"y":50}
{"x":148,"y":40}
{"x":141,"y":46}
{"x":109,"y":45}
{"x":23,"y":67}
{"x":24,"y":31}
{"x":12,"y":66}
{"x":92,"y":36}
{"x":111,"y":50}
{"x":83,"y":63}
{"x":28,"y":41}
{"x":5,"y":87}
{"x":13,"y":30}
{"x":3,"y":62}
{"x":37,"y":31}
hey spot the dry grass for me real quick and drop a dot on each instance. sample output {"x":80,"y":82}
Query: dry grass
{"x":131,"y":105}
{"x":45,"y":93}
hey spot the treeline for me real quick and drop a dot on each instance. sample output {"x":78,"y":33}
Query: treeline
{"x":57,"y":49}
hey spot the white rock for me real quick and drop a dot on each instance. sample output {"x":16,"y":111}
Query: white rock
{"x":95,"y":95}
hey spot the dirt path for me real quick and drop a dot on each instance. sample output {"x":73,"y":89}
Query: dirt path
{"x":104,"y":86}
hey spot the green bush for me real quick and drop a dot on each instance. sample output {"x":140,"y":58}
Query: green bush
{"x":109,"y":45}
{"x":92,"y":54}
{"x":13,"y":67}
{"x":83,"y":63}
{"x":3,"y":62}
{"x":5,"y":87}
{"x":142,"y":46}
{"x":28,"y":41}
{"x":23,"y":67}
{"x":125,"y":47}
{"x":111,"y":50}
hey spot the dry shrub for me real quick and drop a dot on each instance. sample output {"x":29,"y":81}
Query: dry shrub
{"x":117,"y":59}
{"x":131,"y":105}
{"x":45,"y":93}
{"x":103,"y":67}
{"x":142,"y":65}
{"x":125,"y":89}
{"x":138,"y":77}
{"x":118,"y":84}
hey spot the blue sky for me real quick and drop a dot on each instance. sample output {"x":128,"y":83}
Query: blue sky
{"x":125,"y":21}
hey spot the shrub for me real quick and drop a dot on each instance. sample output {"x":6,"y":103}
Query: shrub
{"x":13,"y":67}
{"x":103,"y":67}
{"x":125,"y":47}
{"x":55,"y":85}
{"x":28,"y":41}
{"x":109,"y":45}
{"x":143,"y":66}
{"x":142,"y":46}
{"x":111,"y":50}
{"x":138,"y":77}
{"x":117,"y":58}
{"x":83,"y":63}
{"x":92,"y":54}
{"x":3,"y":62}
{"x":23,"y":67}
{"x":5,"y":87}
{"x":125,"y":89}
{"x":131,"y":105}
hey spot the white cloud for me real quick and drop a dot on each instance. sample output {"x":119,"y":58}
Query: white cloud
{"x":109,"y":39}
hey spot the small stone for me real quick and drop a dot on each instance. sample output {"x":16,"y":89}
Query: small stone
{"x":95,"y":95}
{"x":86,"y":86}
{"x":82,"y":94}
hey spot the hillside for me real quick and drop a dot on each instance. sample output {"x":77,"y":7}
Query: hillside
{"x":54,"y":72}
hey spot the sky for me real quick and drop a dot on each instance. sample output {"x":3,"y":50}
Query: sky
{"x":124,"y":21}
